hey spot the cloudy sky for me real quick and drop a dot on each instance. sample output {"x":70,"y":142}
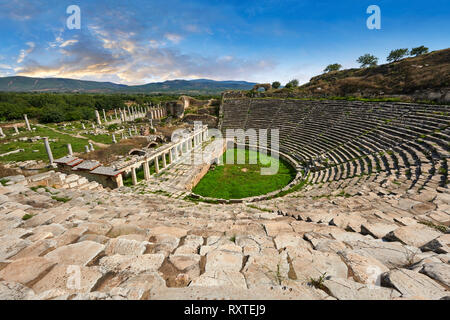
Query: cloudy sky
{"x":141,"y":41}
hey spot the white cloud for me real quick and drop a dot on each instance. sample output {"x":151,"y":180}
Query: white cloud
{"x":175,"y":38}
{"x":23,"y":53}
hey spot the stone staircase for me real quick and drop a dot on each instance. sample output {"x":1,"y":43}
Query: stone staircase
{"x":74,"y":243}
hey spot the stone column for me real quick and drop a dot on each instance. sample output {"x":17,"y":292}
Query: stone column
{"x":156,"y":165}
{"x":123,"y":136}
{"x":164,"y":163}
{"x":104,"y":115}
{"x":146,"y":170}
{"x":171,"y":156}
{"x":115,"y":112}
{"x":133,"y":176}
{"x":69,"y":149}
{"x":16,"y":129}
{"x":97,"y":115}
{"x":91,"y":146}
{"x":49,"y":150}
{"x":86,"y":149}
{"x":27,"y":122}
{"x":129,"y":131}
{"x":1,"y":132}
{"x":114,"y":138}
{"x":83,"y":126}
{"x":129,"y":113}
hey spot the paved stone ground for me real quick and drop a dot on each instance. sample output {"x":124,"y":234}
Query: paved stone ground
{"x":83,"y":243}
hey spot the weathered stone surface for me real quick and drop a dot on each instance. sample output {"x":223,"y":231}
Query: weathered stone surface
{"x":438,"y":271}
{"x":27,"y":270}
{"x":309,"y":264}
{"x":412,"y":284}
{"x":292,"y":239}
{"x":268,"y":268}
{"x":185,"y":262}
{"x":365,"y":270}
{"x":132,"y":264}
{"x":218,"y":260}
{"x":125,"y":247}
{"x":391,"y":254}
{"x":69,"y":279}
{"x":81,"y":253}
{"x":125,"y":229}
{"x":15,"y":291}
{"x":39,"y":219}
{"x":377,"y":230}
{"x":10,"y":246}
{"x":220,"y":278}
{"x":439,"y":245}
{"x":37,"y":249}
{"x":344,"y":289}
{"x":273,"y":228}
{"x":415,"y":235}
{"x":171,"y":231}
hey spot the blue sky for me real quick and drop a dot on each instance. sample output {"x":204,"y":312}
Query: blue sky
{"x":141,"y":41}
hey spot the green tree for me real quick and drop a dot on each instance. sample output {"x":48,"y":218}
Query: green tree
{"x":292,"y":84}
{"x":332,"y":67}
{"x":276,"y":84}
{"x":397,"y":54}
{"x":419,"y":51}
{"x":367,"y":60}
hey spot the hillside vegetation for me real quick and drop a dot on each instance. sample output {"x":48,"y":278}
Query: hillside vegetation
{"x":425,"y":77}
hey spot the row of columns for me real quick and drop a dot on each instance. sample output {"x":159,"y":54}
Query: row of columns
{"x":174,"y":153}
{"x":126,"y":114}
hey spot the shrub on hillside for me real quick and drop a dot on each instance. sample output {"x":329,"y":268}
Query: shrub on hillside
{"x":367,"y":60}
{"x":419,"y":51}
{"x":397,"y":54}
{"x":332,"y":67}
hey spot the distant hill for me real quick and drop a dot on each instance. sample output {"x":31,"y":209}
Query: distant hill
{"x":199,"y":86}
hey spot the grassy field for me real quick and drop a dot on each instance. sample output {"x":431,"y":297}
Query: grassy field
{"x":236,"y":181}
{"x":59,"y":148}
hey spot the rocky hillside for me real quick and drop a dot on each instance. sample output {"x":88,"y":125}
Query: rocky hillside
{"x":425,"y":77}
{"x":430,"y":71}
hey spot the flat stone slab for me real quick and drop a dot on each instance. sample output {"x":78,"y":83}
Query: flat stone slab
{"x":344,"y":289}
{"x":292,"y":239}
{"x":308,"y":263}
{"x":39,"y":219}
{"x":218,"y":260}
{"x":220,"y":279}
{"x":80,"y":253}
{"x":413,"y":284}
{"x":10,"y":246}
{"x":439,"y":245}
{"x":132,"y":264}
{"x":27,"y":270}
{"x":125,"y":247}
{"x":415,"y":235}
{"x":171,"y":231}
{"x":71,"y":279}
{"x":438,"y":271}
{"x":391,"y":254}
{"x":37,"y":249}
{"x":377,"y":230}
{"x":10,"y":290}
{"x":273,"y":228}
{"x":365,"y":270}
